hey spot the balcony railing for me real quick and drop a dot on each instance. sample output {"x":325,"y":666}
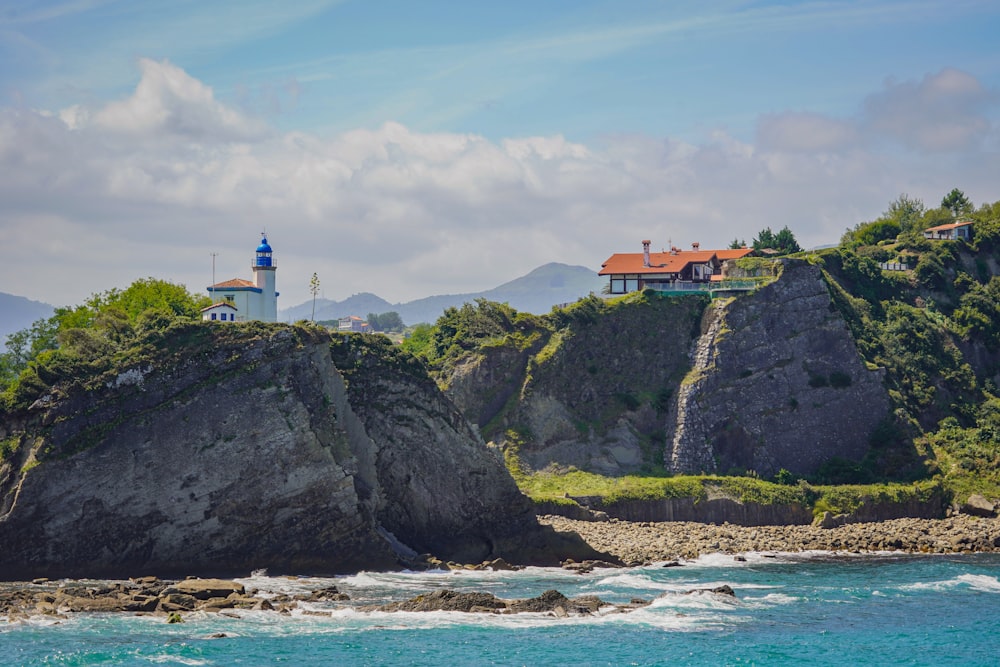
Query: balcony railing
{"x":716,"y":286}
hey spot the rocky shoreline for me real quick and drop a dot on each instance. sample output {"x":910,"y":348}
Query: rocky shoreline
{"x":624,"y":543}
{"x":638,"y":543}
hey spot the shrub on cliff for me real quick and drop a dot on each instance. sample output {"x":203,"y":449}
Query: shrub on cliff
{"x":78,"y":344}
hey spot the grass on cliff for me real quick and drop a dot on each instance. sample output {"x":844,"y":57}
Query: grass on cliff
{"x":561,"y":488}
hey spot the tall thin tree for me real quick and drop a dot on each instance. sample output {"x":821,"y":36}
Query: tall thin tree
{"x":314,"y":288}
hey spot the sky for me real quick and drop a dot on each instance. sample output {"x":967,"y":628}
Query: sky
{"x":419,"y":148}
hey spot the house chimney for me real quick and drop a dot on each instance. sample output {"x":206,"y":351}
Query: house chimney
{"x":695,"y":245}
{"x":645,"y":253}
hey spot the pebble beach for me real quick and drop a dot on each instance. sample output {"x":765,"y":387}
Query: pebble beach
{"x":637,"y":543}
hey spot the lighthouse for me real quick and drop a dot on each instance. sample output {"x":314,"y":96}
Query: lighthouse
{"x":263,"y":279}
{"x":240,"y":300}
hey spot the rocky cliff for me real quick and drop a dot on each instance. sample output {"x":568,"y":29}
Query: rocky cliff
{"x":776,"y":382}
{"x":769,"y":380}
{"x":225,"y":449}
{"x":592,"y":393}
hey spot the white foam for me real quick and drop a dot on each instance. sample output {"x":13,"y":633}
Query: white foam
{"x":695,"y":600}
{"x":981,"y":582}
{"x":769,"y":600}
{"x":175,"y":659}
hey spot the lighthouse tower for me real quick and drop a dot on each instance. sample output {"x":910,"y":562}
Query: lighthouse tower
{"x":263,"y":279}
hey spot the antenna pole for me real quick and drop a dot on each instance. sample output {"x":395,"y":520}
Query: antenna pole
{"x":214,"y":255}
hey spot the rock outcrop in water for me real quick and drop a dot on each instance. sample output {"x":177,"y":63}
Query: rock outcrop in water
{"x":226,"y":449}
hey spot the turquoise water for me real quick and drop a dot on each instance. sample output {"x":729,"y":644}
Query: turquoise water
{"x":790,"y":610}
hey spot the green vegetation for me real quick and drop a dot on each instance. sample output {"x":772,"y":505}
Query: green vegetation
{"x":935,"y":330}
{"x":118,"y":352}
{"x":561,"y":488}
{"x":544,"y":486}
{"x":390,"y":321}
{"x":104,"y":323}
{"x":783,"y":242}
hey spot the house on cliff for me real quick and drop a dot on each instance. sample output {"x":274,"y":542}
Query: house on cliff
{"x":353,"y":323}
{"x":634,"y":271}
{"x":950,"y":232}
{"x":241,"y":300}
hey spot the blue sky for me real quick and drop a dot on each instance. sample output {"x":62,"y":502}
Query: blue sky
{"x":416,"y":148}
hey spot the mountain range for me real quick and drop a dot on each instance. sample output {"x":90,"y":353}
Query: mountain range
{"x":17,"y":312}
{"x":536,"y":292}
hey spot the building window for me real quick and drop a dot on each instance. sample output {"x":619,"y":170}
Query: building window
{"x":213,"y":316}
{"x":230,"y":298}
{"x":631,"y":283}
{"x":617,"y":285}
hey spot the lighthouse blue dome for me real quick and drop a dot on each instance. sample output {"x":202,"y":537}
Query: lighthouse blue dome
{"x":263,"y":257}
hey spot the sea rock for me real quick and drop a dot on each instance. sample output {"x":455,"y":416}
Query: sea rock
{"x":203,"y":589}
{"x":445,"y":600}
{"x":550,"y":601}
{"x":724,"y":589}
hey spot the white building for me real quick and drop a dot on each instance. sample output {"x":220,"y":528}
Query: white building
{"x":239,"y":300}
{"x":353,"y":323}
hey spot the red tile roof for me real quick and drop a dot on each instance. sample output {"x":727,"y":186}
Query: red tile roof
{"x":950,"y":225}
{"x":664,"y":262}
{"x":235,"y":282}
{"x":732,"y":253}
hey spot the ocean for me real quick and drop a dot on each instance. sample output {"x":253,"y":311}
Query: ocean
{"x":790,"y":609}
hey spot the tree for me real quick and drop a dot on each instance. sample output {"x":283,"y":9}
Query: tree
{"x":390,"y":321}
{"x":314,"y":290}
{"x":737,"y":244}
{"x":956,"y":202}
{"x":784,"y":241}
{"x":104,"y":319}
{"x":906,"y":212}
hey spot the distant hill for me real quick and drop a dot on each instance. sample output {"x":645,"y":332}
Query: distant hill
{"x":536,"y":292}
{"x":17,"y":312}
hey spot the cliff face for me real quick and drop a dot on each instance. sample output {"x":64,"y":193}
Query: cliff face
{"x":591,"y":394}
{"x":765,"y":381}
{"x":245,"y":452}
{"x":444,"y":492}
{"x":777,"y":382}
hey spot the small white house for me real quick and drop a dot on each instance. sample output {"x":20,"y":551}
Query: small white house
{"x":952,"y":231}
{"x":221,"y":312}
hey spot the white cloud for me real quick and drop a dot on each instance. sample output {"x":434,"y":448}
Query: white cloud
{"x":945,"y":111}
{"x":154,"y":183}
{"x":168,"y":102}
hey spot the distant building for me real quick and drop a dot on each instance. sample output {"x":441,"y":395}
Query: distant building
{"x":951,"y":231}
{"x":633,"y":271}
{"x":240,"y":300}
{"x":353,"y":323}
